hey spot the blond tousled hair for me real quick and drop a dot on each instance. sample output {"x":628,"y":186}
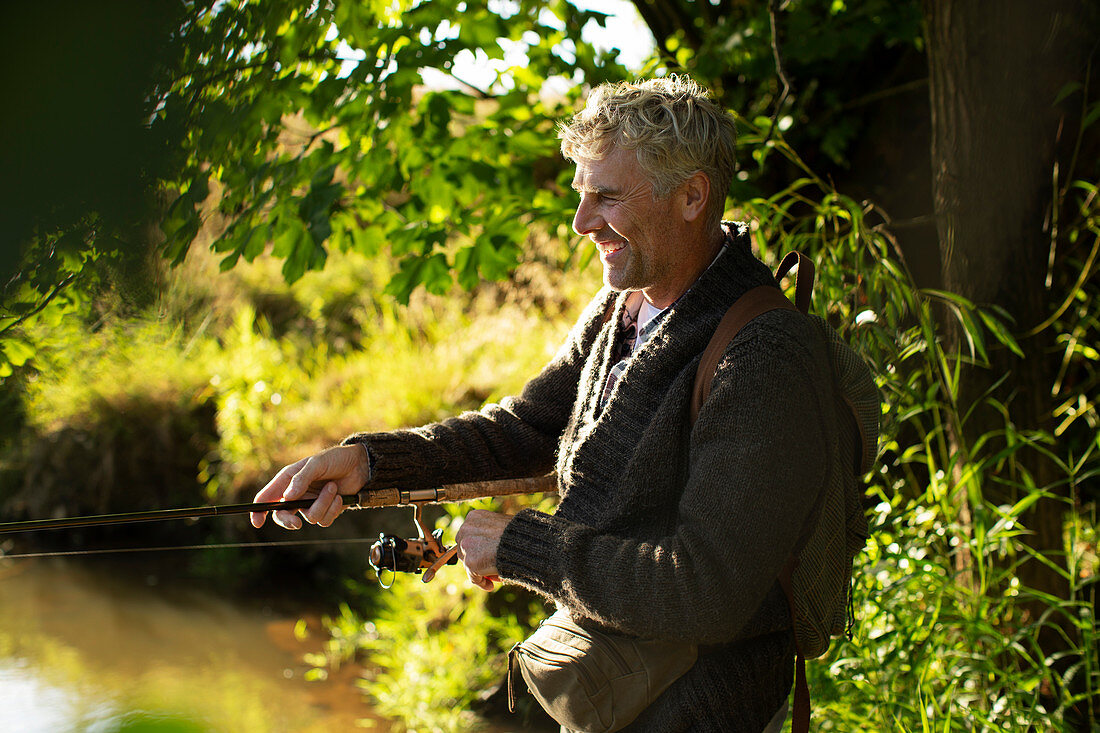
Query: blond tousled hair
{"x":673,"y":125}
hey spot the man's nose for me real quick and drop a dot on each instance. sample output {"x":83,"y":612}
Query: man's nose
{"x":585,"y":220}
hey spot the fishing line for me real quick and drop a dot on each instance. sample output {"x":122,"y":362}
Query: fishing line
{"x":219,"y":546}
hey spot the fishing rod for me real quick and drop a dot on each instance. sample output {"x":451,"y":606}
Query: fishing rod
{"x":413,"y":555}
{"x":157,"y":515}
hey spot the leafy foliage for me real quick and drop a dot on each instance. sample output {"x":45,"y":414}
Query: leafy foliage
{"x":295,"y":128}
{"x":299,"y":127}
{"x":316,"y":130}
{"x":79,"y":162}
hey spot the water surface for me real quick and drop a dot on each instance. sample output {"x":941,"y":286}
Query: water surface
{"x":94,"y":647}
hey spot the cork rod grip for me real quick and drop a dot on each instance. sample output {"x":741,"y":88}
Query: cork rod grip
{"x":372,"y":498}
{"x":505,"y":487}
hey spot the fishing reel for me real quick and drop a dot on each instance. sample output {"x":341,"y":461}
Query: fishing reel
{"x":424,"y":553}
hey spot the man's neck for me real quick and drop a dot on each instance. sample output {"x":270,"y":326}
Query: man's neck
{"x":702,"y":254}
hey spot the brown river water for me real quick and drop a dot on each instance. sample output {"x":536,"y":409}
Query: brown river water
{"x":89,"y":647}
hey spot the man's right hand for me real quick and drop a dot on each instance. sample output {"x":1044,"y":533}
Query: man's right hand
{"x":327,"y":475}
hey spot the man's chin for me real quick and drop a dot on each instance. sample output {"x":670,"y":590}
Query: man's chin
{"x":618,"y":280}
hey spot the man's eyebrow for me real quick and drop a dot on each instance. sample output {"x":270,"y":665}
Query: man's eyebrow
{"x":594,"y":188}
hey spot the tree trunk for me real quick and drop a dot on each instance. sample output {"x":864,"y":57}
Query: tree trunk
{"x":996,"y":70}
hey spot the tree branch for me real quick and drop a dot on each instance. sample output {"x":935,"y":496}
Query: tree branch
{"x":909,"y":86}
{"x":781,"y":72}
{"x":481,"y":93}
{"x":40,"y":307}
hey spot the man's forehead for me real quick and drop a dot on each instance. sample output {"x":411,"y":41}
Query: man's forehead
{"x":606,"y":174}
{"x":583,"y":184}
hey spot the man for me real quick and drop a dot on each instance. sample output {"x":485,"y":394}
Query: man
{"x":665,"y":529}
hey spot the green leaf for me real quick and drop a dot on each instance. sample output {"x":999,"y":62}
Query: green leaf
{"x":17,"y":350}
{"x":1068,"y":89}
{"x":286,"y":241}
{"x":466,"y":268}
{"x":406,"y":280}
{"x":307,"y":255}
{"x":255,"y":242}
{"x":497,"y":256}
{"x":1092,"y":116}
{"x":1000,"y":332}
{"x":229,"y":262}
{"x":436,"y":275}
{"x":71,"y":249}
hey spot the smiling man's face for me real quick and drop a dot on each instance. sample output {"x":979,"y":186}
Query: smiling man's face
{"x":635,"y":232}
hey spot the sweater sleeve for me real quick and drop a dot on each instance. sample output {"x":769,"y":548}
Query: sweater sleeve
{"x":758,"y":458}
{"x":516,"y":438}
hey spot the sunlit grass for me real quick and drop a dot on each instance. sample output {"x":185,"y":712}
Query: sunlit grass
{"x":292,"y":369}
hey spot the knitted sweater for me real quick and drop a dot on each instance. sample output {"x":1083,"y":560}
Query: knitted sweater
{"x":664,"y":529}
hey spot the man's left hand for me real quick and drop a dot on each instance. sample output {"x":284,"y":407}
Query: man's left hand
{"x":477,"y":540}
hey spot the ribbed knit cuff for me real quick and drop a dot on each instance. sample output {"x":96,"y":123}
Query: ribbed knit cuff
{"x":530,"y":550}
{"x":393,"y":462}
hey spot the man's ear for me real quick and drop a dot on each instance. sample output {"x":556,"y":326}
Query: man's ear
{"x":694,"y":196}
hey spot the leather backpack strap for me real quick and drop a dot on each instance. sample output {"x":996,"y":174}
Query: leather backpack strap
{"x":800,"y":712}
{"x":804,"y":277}
{"x":753,"y":303}
{"x":803,"y":290}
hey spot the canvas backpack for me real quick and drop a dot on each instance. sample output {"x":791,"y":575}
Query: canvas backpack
{"x":817,"y":578}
